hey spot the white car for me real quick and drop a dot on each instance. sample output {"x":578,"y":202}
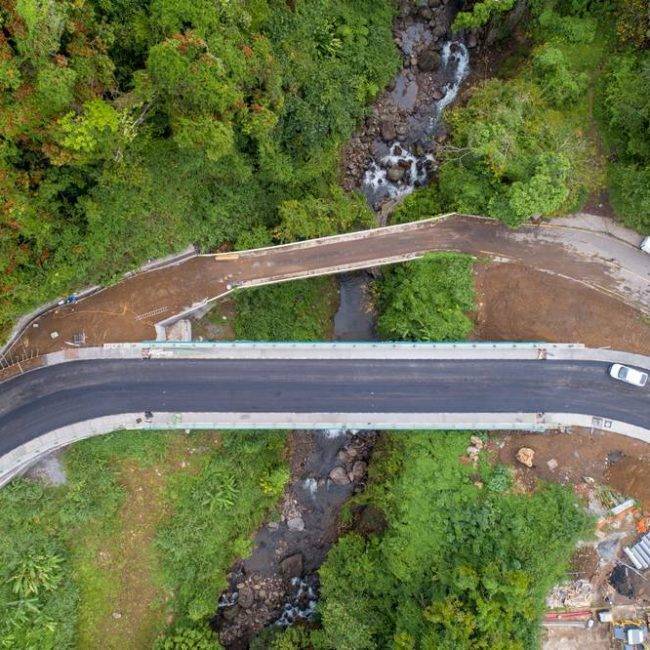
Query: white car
{"x":645,"y":245}
{"x":628,"y":375}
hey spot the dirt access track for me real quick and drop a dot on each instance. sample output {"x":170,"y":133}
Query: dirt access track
{"x":576,"y":249}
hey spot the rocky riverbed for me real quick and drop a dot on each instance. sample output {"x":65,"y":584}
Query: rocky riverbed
{"x":392,"y":153}
{"x":395,"y":149}
{"x":278,"y":583}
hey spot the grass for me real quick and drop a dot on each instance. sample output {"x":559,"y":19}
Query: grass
{"x":144,"y":531}
{"x":232,"y":489}
{"x":117,"y":567}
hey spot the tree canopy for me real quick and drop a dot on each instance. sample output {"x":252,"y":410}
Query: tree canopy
{"x":427,"y":300}
{"x":130,"y":129}
{"x":461,"y":562}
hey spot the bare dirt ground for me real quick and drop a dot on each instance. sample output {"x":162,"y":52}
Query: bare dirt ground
{"x":520,"y":303}
{"x":128,"y":310}
{"x":603,"y":456}
{"x":567,"y":638}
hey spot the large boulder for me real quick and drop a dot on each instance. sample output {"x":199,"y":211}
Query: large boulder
{"x":525,"y":456}
{"x":246,"y":597}
{"x":395,"y":173}
{"x":428,"y":61}
{"x":388,"y":133}
{"x":339,"y":476}
{"x":296,"y":523}
{"x":358,"y":471}
{"x":291,"y":566}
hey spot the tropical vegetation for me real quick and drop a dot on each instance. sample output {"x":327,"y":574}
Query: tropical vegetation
{"x":130,"y":129}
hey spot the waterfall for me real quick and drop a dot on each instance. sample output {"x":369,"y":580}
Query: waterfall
{"x":455,"y":65}
{"x":399,"y":171}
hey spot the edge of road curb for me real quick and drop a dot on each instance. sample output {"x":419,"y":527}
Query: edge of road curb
{"x":516,"y":351}
{"x":20,"y":459}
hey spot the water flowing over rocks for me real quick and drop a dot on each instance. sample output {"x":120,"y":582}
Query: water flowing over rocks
{"x":402,"y":157}
{"x":394,"y":151}
{"x":278,"y":583}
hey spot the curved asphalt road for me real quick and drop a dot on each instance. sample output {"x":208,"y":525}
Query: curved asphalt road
{"x":40,"y":401}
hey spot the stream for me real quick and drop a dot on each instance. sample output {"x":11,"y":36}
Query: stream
{"x":392,"y":153}
{"x":401,"y":163}
{"x":278,"y":583}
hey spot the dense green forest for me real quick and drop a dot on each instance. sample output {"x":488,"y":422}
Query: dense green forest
{"x":461,"y":561}
{"x":567,"y":115}
{"x":130,"y":129}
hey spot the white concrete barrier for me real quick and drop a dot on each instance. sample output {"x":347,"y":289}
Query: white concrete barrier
{"x":21,"y":458}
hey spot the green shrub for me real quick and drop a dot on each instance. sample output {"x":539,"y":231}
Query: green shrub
{"x":291,"y":638}
{"x":513,"y":156}
{"x":458,"y":566}
{"x":216,"y":511}
{"x":481,"y":13}
{"x":35,"y":574}
{"x":318,"y":217}
{"x":573,"y":29}
{"x":188,"y":637}
{"x":300,"y":310}
{"x":421,"y":204}
{"x":630,"y":194}
{"x":427,"y":300}
{"x":560,"y":85}
{"x":625,"y":113}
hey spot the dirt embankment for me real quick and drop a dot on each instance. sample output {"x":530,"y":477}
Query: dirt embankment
{"x":568,"y":458}
{"x":519,"y":303}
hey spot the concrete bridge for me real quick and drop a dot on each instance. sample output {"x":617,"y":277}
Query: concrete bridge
{"x":74,"y":394}
{"x":592,"y":252}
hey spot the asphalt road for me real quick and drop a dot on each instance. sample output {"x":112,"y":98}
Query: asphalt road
{"x":43,"y":400}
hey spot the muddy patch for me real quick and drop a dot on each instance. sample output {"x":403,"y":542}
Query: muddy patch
{"x":567,"y":458}
{"x":519,"y":303}
{"x":629,"y":475}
